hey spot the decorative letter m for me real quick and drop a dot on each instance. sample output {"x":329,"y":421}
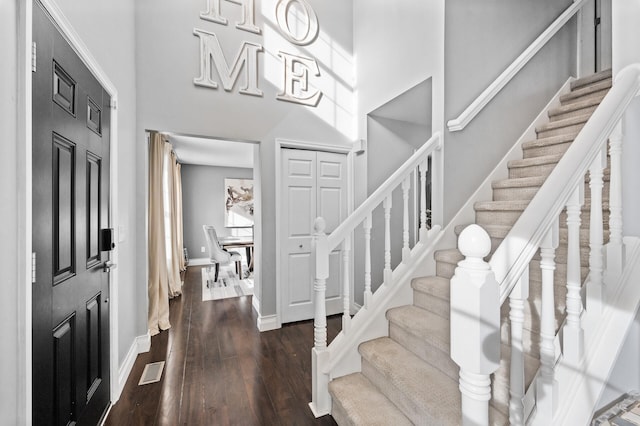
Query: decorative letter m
{"x":211,"y":57}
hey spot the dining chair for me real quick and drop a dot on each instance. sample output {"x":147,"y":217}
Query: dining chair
{"x":218,"y":255}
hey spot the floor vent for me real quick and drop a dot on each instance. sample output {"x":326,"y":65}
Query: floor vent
{"x":152,"y":373}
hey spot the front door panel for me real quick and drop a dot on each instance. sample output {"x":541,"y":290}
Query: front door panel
{"x":70,"y":206}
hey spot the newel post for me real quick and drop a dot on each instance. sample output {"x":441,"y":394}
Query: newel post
{"x":475,"y":325}
{"x":320,"y":399}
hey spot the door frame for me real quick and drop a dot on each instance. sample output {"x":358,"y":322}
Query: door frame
{"x":308,"y":146}
{"x":24,"y":207}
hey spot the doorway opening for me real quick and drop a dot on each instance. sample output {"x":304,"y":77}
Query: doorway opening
{"x":220,"y":191}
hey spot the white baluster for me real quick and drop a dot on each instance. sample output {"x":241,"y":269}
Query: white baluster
{"x":475,"y":325}
{"x":386,"y":204}
{"x":321,"y":258}
{"x":546,"y":386}
{"x":573,"y":334}
{"x":424,"y":167}
{"x":406,"y":251}
{"x":615,"y":248}
{"x":346,"y":302}
{"x":320,"y":399}
{"x":517,"y":299}
{"x":595,"y":290}
{"x":367,"y":260}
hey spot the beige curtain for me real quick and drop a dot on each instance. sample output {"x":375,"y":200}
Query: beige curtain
{"x":179,"y":223}
{"x":175,"y":249}
{"x":158,"y":286}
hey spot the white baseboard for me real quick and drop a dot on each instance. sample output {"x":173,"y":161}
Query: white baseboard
{"x":268,"y":322}
{"x":199,"y":261}
{"x":140,"y":345}
{"x":255,"y":302}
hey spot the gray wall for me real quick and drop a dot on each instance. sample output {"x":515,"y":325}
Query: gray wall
{"x":167,"y":62}
{"x":390,"y":143}
{"x":474,"y":58}
{"x":203,"y":198}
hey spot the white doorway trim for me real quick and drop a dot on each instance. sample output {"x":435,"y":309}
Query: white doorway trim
{"x":310,"y":146}
{"x":25,"y":195}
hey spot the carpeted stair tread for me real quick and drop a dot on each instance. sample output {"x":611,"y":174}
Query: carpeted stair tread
{"x":449,"y":255}
{"x":434,"y":397}
{"x":356,"y":401}
{"x":550,"y":140}
{"x":424,"y":324}
{"x":567,"y":122}
{"x":518,"y":182}
{"x":535,"y":161}
{"x":601,"y":85}
{"x":515,"y":205}
{"x":425,"y":334}
{"x":578,"y":104}
{"x":424,"y":394}
{"x":434,"y":286}
{"x":432,"y":293}
{"x":447,"y":262}
{"x":591,"y":79}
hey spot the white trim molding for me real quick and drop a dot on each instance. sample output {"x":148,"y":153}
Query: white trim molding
{"x":141,"y":344}
{"x":268,"y":323}
{"x":199,"y":261}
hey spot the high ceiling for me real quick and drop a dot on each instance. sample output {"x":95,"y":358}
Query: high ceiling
{"x":212,"y":152}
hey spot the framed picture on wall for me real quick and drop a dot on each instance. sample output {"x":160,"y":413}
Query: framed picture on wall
{"x":238,"y":211}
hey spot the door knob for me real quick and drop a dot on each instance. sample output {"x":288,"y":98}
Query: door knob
{"x":300,"y":245}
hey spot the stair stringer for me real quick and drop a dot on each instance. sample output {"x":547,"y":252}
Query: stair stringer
{"x":371,"y":323}
{"x":580,"y":387}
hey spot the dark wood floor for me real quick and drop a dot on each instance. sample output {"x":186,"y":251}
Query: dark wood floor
{"x":220,"y":370}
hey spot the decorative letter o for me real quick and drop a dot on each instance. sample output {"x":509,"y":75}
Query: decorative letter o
{"x":312,"y":22}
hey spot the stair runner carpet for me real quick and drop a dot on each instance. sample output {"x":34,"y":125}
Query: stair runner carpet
{"x":409,"y":377}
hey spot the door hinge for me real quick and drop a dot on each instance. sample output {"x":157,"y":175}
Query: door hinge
{"x":113,"y":104}
{"x":33,"y":57}
{"x":33,"y":267}
{"x":596,"y":22}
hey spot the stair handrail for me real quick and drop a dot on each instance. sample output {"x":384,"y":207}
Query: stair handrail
{"x":460,"y":122}
{"x":527,"y":233}
{"x":343,"y":230}
{"x":538,"y":228}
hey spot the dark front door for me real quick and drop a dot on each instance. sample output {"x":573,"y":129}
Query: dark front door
{"x":70,"y":207}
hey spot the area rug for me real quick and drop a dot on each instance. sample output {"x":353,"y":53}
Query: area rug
{"x":228,"y":284}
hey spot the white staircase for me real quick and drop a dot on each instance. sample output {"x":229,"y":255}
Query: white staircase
{"x":539,"y":250}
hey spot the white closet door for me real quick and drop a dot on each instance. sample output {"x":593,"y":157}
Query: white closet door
{"x":313,"y":184}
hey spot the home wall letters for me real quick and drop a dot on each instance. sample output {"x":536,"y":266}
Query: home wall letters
{"x":297,"y":69}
